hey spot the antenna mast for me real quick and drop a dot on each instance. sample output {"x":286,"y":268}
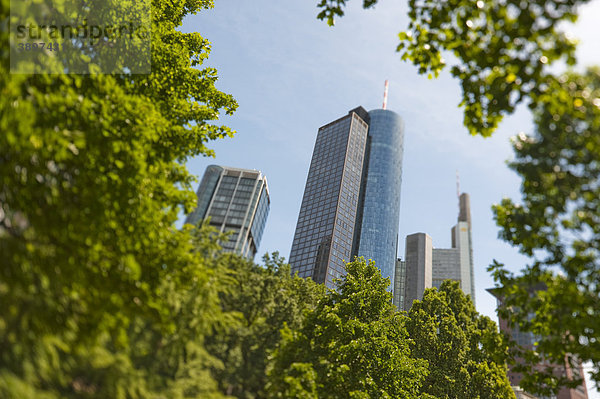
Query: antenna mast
{"x":385,"y":95}
{"x":458,"y":186}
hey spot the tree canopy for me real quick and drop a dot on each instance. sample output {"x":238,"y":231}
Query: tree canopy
{"x":558,"y":224}
{"x":503,"y":48}
{"x":466,"y":354}
{"x":260,"y":300}
{"x":91,"y":183}
{"x":352,"y":345}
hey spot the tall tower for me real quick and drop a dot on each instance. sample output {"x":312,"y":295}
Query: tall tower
{"x":237,"y":201}
{"x":399,"y":290}
{"x":326,"y":230}
{"x":381,"y":200}
{"x":418,"y":258}
{"x":461,"y":240}
{"x":351,"y":203}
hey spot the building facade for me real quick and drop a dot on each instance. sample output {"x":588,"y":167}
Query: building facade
{"x":428,"y":267}
{"x":418,"y":258}
{"x":381,"y":201}
{"x":326,"y":230}
{"x":462,"y":241}
{"x":237,"y":202}
{"x":351,"y":201}
{"x":399,"y":284}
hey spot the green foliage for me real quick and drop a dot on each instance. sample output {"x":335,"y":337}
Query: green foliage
{"x":262,"y":299}
{"x":335,"y":8}
{"x":503,"y":48}
{"x":558,"y":223}
{"x":465,"y":352}
{"x":101,"y":296}
{"x":353,"y":345}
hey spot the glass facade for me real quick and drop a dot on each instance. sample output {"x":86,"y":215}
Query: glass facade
{"x":326,"y":228}
{"x":381,"y":203}
{"x":237,"y":201}
{"x":445,"y":265}
{"x":399,"y":284}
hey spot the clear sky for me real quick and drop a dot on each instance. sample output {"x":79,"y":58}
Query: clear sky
{"x":291,"y":74}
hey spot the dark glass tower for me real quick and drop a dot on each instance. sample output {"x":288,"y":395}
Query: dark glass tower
{"x":326,"y":230}
{"x":351,"y":202}
{"x":381,"y":204}
{"x":237,"y":201}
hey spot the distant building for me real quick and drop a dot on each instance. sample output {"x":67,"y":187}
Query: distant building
{"x":527,"y":340}
{"x":428,"y":267}
{"x":351,"y":201}
{"x":399,"y":284}
{"x":418,"y":258}
{"x":236,"y":201}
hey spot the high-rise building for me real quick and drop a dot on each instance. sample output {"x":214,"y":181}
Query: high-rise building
{"x":236,"y":201}
{"x":399,"y":284}
{"x":428,"y":267}
{"x":461,"y":240}
{"x":527,"y":340}
{"x":418,"y":258}
{"x":351,"y":202}
{"x":326,"y":231}
{"x":380,"y":206}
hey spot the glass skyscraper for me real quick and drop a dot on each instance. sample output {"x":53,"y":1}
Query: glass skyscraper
{"x":326,"y":229}
{"x":381,"y":204}
{"x":237,"y":201}
{"x":351,"y":201}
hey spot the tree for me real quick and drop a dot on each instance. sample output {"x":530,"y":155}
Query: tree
{"x":465,"y":353}
{"x":503,"y":48}
{"x":503,"y":51}
{"x":91,"y":183}
{"x":261,"y":300}
{"x":558,"y":225}
{"x":353,"y":345}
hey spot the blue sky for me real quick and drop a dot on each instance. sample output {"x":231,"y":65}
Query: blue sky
{"x":291,"y":74}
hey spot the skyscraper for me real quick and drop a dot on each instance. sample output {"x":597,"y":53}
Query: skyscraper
{"x":428,"y":267}
{"x":381,"y":204}
{"x":351,"y":201}
{"x":399,"y":284}
{"x":326,"y":228}
{"x":459,"y":264}
{"x":237,"y":201}
{"x":418,"y":258}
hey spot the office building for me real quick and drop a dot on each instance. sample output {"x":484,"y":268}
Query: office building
{"x":399,"y":284}
{"x":237,"y":202}
{"x":351,"y":201}
{"x":428,"y":267}
{"x":526,"y":340}
{"x":418,"y":258}
{"x":326,"y":231}
{"x":381,"y":204}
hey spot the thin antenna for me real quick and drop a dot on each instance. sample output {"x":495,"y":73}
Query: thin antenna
{"x":385,"y":95}
{"x":457,"y":185}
